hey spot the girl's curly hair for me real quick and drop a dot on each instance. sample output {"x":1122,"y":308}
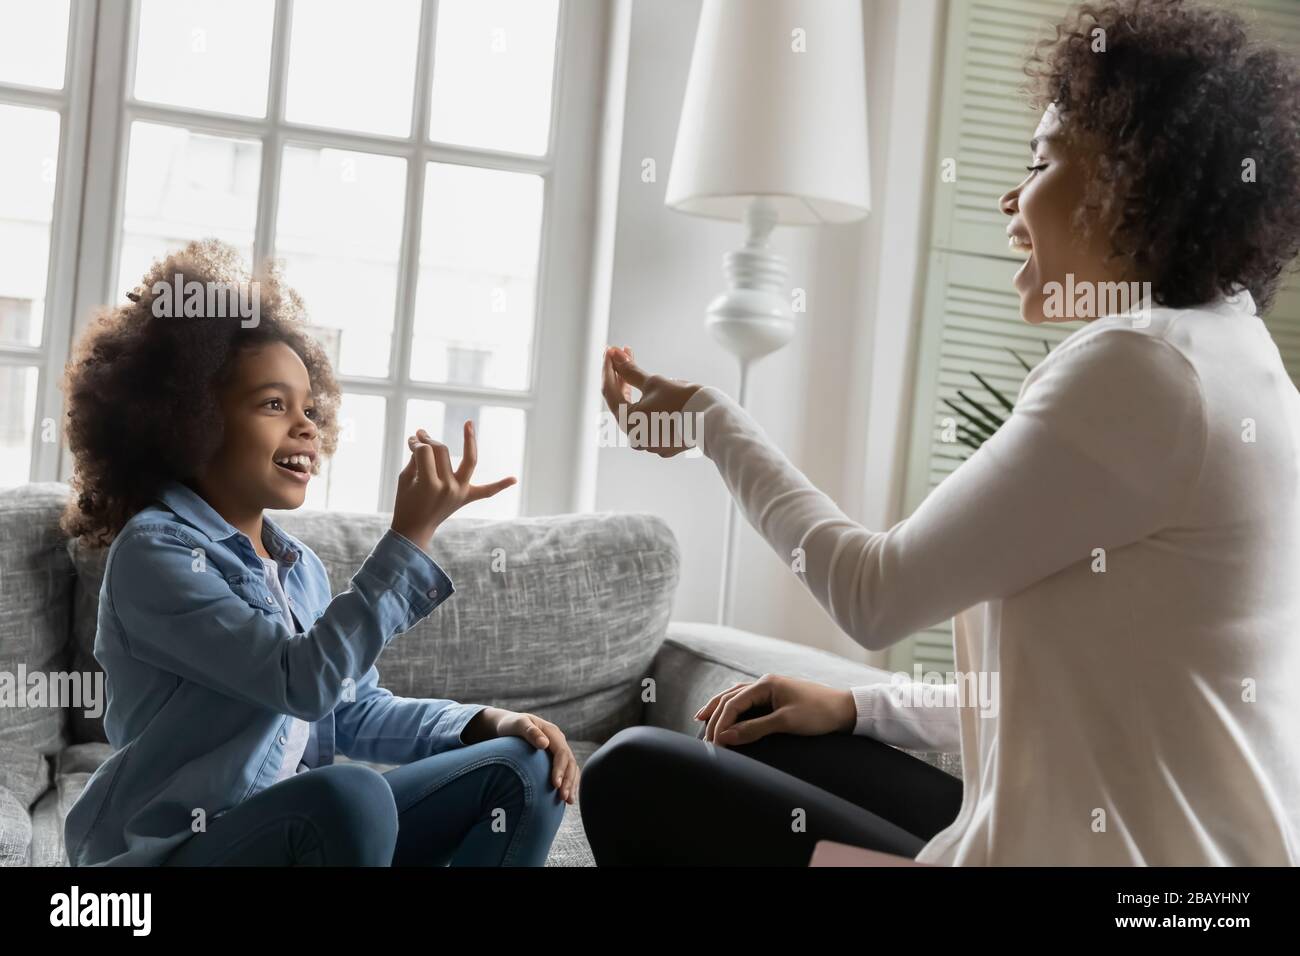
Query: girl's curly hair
{"x":1199,"y":126}
{"x":142,"y":388}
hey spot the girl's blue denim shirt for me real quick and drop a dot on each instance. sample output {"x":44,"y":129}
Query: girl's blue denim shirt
{"x":203,"y":676}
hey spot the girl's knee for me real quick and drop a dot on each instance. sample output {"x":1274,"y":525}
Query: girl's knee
{"x":531,"y":765}
{"x":527,"y":771}
{"x":353,"y":808}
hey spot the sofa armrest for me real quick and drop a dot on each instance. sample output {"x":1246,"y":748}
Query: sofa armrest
{"x":698,"y":660}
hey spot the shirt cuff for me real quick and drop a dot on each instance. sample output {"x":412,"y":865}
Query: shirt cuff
{"x":403,"y":567}
{"x":457,"y":725}
{"x":864,"y":700}
{"x":697,"y":406}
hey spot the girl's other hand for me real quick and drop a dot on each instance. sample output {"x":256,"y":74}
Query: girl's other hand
{"x":544,"y":735}
{"x":429,"y":491}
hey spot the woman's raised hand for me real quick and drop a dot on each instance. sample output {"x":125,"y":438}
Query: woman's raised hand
{"x":429,"y":491}
{"x":656,"y":422}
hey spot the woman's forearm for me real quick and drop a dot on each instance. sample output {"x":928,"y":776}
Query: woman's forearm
{"x":808,"y":531}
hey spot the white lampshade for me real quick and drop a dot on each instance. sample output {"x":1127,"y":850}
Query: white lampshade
{"x":762,"y":120}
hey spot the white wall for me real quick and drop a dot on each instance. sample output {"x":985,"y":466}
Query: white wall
{"x":836,"y":399}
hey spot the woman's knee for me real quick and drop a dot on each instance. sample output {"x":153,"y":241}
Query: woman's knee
{"x":353,"y":809}
{"x":625,"y":755}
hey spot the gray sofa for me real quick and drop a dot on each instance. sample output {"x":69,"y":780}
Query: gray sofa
{"x":564,"y":616}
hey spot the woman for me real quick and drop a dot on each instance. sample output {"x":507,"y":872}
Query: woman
{"x":1122,"y":555}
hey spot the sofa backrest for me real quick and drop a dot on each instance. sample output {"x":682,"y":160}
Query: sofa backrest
{"x":36,"y":585}
{"x":560,"y":615}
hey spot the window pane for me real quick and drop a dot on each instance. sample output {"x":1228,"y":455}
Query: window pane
{"x":33,"y":42}
{"x":351,"y":68}
{"x":17,"y":418}
{"x":492,"y":70}
{"x":29,"y":160}
{"x":478,"y":274}
{"x":339,"y":232}
{"x":205,"y":54}
{"x":183,"y":185}
{"x":500,"y":436}
{"x":350,"y":480}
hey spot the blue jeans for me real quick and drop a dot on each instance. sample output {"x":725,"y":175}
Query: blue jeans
{"x":485,"y":804}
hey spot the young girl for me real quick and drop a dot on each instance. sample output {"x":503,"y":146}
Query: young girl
{"x":233,"y":675}
{"x":1120,"y":556}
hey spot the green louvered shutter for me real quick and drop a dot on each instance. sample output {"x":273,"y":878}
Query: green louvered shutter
{"x":971,"y":314}
{"x":1279,"y":20}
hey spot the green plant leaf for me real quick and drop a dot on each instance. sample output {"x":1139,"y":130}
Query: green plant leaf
{"x":1002,"y":400}
{"x":1016,"y":355}
{"x":988,"y":415}
{"x":975,"y":423}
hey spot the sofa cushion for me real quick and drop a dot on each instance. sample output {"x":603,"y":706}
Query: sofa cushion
{"x":23,"y":772}
{"x":570,"y":847}
{"x":15,"y":830}
{"x":47,"y":831}
{"x":36,"y":581}
{"x":73,"y":770}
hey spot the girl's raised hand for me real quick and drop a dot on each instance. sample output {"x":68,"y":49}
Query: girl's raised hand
{"x":429,"y":491}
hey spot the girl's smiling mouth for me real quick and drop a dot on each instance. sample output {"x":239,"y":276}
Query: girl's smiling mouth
{"x":296,"y":467}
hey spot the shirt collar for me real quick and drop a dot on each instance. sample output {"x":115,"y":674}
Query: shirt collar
{"x":191,"y":508}
{"x":1239,"y":301}
{"x":283,"y":547}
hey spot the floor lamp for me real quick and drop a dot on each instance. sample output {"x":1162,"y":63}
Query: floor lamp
{"x":773,"y":132}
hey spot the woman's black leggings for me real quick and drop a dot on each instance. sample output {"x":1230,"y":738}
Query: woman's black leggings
{"x":655,"y":796}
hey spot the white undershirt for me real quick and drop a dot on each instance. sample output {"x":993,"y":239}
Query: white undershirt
{"x":1146,"y":714}
{"x":299,"y":730}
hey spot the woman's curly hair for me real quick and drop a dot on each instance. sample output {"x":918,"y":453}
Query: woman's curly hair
{"x":1185,"y":104}
{"x":143,"y":389}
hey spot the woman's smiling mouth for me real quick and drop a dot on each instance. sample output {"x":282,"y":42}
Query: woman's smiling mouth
{"x":1020,"y":244}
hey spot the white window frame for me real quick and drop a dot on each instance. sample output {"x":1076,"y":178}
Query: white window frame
{"x":71,"y":103}
{"x":555,"y":399}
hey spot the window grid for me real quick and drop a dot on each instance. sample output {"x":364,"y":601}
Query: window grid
{"x":275,"y":133}
{"x":68,"y":103}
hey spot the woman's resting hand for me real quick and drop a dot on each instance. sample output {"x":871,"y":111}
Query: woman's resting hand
{"x":796,"y":706}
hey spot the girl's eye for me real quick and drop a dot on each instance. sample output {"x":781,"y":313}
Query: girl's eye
{"x":277,"y":405}
{"x":1036,"y":169}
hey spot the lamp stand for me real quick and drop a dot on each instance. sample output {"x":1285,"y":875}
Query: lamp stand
{"x":751,"y":319}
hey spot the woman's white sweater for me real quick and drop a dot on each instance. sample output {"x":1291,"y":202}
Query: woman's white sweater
{"x":1121,"y":561}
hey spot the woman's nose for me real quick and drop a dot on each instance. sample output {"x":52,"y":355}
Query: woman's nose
{"x":1010,"y":202}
